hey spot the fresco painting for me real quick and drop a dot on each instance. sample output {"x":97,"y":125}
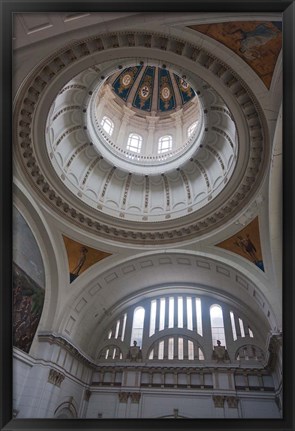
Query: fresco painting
{"x":28,"y":299}
{"x":258,"y":43}
{"x":81,"y":257}
{"x":246,"y":243}
{"x":143,"y":96}
{"x":28,"y":284}
{"x":123,"y":84}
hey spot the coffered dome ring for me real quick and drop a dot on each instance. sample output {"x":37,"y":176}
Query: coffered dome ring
{"x":52,"y":75}
{"x":177,"y":182}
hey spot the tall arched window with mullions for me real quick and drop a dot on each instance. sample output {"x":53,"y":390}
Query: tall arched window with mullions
{"x":134,"y":143}
{"x":107,"y":125}
{"x":137,"y":326}
{"x":217,"y":326}
{"x":165,"y":144}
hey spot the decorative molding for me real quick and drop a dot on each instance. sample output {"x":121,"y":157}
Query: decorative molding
{"x":218,"y":401}
{"x":55,"y":378}
{"x":87,"y":395}
{"x":62,"y":342}
{"x":135,"y":397}
{"x":123,"y":397}
{"x":232,"y":402}
{"x":64,"y":58}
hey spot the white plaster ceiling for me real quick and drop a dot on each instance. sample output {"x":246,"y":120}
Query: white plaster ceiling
{"x":148,"y":190}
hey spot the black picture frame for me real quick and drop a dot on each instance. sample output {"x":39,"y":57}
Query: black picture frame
{"x":7,"y":8}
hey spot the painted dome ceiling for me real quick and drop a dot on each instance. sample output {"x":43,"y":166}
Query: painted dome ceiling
{"x":202,"y":188}
{"x":98,"y":169}
{"x":152,"y":89}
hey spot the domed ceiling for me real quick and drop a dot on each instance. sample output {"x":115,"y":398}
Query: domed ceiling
{"x":149,"y":187}
{"x":147,"y":196}
{"x":152,"y":89}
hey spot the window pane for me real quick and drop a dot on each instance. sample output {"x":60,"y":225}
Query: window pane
{"x":250,"y":332}
{"x":161,"y":350}
{"x":217,"y":327}
{"x":171,"y":312}
{"x":201,"y":355}
{"x":189,"y":313}
{"x":199,"y":317}
{"x":117,"y":329}
{"x":165,"y":144}
{"x":153,"y":317}
{"x":107,"y":125}
{"x":124,"y":327}
{"x":134,"y":143}
{"x":171,"y":348}
{"x":242,"y":327}
{"x":114,"y":353}
{"x":180,"y":312}
{"x":162,"y":314}
{"x":137,"y":326}
{"x":191,"y":128}
{"x":233,"y":325}
{"x":180,"y":348}
{"x":190,"y":347}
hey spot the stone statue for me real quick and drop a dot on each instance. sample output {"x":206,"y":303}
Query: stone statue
{"x":134,"y":354}
{"x":220,"y":353}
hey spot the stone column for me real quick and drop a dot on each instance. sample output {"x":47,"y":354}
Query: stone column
{"x":105,"y":98}
{"x":166,"y":313}
{"x":146,"y":327}
{"x":127,"y":114}
{"x":218,"y":401}
{"x":128,"y":329}
{"x":177,"y":116}
{"x":151,"y":146}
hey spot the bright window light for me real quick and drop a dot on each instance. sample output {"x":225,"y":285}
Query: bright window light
{"x":107,"y":125}
{"x":242,"y":327}
{"x":233,"y":325}
{"x":165,"y":144}
{"x":191,"y":129}
{"x":134,"y":143}
{"x":170,"y":348}
{"x":217,"y":326}
{"x":162,"y":314}
{"x":171,"y":312}
{"x":189,"y":313}
{"x":137,"y":326}
{"x":180,"y":312}
{"x":199,"y":317}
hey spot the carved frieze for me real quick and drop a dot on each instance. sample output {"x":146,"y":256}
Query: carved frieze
{"x":55,"y":377}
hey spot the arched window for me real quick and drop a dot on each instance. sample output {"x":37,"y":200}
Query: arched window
{"x":134,"y":143}
{"x":191,"y":129}
{"x":176,"y":347}
{"x":137,"y":326}
{"x":217,"y":326}
{"x":165,"y":144}
{"x":107,"y":125}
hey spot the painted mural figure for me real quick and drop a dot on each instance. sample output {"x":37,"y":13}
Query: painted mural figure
{"x":248,"y":247}
{"x":28,"y":300}
{"x":81,"y":261}
{"x":251,"y":40}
